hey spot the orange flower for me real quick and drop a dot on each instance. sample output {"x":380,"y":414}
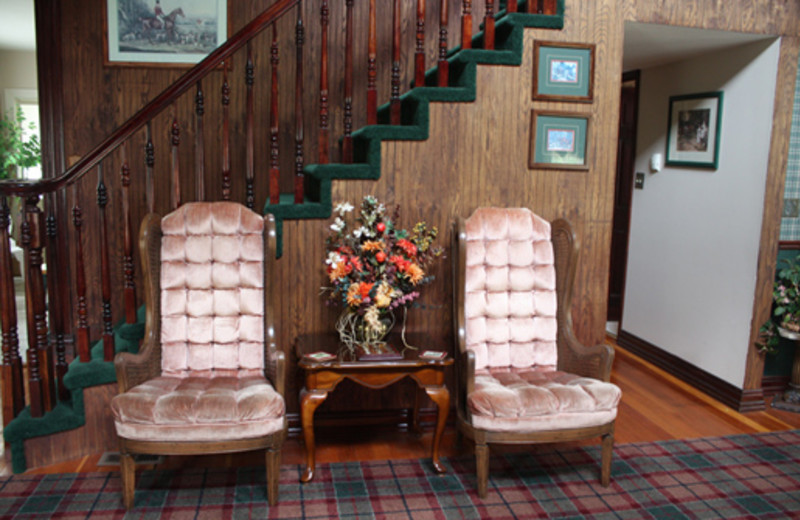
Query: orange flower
{"x":337,"y":271}
{"x":354,"y":294}
{"x":372,"y":245}
{"x":414,"y":273}
{"x":365,"y":289}
{"x":407,"y":247}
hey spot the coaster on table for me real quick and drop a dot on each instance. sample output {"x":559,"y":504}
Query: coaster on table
{"x":432,"y":355}
{"x":320,"y":356}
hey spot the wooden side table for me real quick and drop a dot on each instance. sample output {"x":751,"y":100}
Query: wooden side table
{"x":322,"y":377}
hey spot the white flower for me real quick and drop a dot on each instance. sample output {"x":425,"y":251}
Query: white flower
{"x":360,"y":231}
{"x":338,"y":225}
{"x":333,"y":259}
{"x":343,"y":207}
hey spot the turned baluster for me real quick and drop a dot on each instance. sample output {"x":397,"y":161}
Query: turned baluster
{"x":199,"y":148}
{"x":394,"y":107}
{"x":150,"y":161}
{"x":347,"y":139}
{"x":175,"y":193}
{"x":419,"y":53}
{"x":129,"y":284}
{"x":105,"y":267}
{"x":442,"y":64}
{"x":82,"y":329}
{"x":511,"y":6}
{"x":56,"y":297}
{"x":249,"y":78}
{"x":324,"y":132}
{"x":39,"y":382}
{"x":274,"y":154}
{"x":548,"y":6}
{"x":466,"y":24}
{"x":488,"y":26}
{"x":226,"y":134}
{"x":12,"y":389}
{"x":372,"y":66}
{"x":298,"y":111}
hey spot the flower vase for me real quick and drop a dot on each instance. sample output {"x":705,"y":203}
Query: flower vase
{"x":359,"y":339}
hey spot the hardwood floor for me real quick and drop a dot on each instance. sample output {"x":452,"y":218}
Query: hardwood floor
{"x":655,"y":406}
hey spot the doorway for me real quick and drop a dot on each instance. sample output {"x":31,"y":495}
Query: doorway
{"x":623,"y":193}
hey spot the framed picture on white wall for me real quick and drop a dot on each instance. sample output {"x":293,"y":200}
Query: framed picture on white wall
{"x":693,"y":131}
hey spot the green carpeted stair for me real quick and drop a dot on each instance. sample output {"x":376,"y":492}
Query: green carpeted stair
{"x":463,"y":65}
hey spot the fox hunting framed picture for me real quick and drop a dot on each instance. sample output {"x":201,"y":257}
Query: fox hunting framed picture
{"x":558,"y":140}
{"x":563,"y":71}
{"x":693,"y":130}
{"x":163,"y":32}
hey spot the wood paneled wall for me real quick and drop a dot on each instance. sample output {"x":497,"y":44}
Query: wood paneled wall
{"x":477,"y":153}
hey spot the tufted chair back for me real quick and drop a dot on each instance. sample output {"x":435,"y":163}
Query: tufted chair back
{"x":522,"y":375}
{"x":209,"y":375}
{"x":212,"y":291}
{"x":510,"y":289}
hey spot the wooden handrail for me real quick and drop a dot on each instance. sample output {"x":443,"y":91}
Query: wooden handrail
{"x":163,"y":100}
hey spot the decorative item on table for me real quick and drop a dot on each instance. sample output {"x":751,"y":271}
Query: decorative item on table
{"x":320,"y":356}
{"x":432,"y":355}
{"x":374,"y":268}
{"x":785,"y":318}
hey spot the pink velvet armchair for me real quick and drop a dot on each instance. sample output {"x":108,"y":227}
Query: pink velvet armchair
{"x":209,"y":377}
{"x":523,"y":377}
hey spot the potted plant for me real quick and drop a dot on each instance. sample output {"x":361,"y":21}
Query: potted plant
{"x":785,"y":318}
{"x":16,"y":149}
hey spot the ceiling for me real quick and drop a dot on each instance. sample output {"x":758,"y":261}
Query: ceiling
{"x":646,"y":45}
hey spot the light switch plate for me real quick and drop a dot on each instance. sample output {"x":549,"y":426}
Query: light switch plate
{"x":638,"y":181}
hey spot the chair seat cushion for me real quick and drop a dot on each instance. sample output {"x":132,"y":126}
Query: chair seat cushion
{"x":508,"y":399}
{"x":199,"y":409}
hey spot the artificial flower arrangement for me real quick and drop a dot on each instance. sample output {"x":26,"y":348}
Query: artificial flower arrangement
{"x":374,"y":268}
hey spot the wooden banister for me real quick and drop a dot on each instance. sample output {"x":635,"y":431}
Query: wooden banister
{"x":161,"y":102}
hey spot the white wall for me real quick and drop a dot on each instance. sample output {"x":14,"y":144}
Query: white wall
{"x":695,"y":233}
{"x":17,"y":70}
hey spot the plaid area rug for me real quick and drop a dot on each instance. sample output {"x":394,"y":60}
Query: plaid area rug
{"x":741,"y":476}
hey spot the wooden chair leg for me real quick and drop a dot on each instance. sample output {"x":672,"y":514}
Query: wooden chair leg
{"x":605,"y":464}
{"x":482,"y":467}
{"x":273,"y":474}
{"x":128,"y":472}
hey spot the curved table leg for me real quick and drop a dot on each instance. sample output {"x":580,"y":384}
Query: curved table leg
{"x":441,"y":397}
{"x":309,"y":402}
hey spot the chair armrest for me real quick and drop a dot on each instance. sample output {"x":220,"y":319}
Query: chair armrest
{"x":134,"y":369}
{"x":276,"y":369}
{"x":576,"y":358}
{"x":465,"y":373}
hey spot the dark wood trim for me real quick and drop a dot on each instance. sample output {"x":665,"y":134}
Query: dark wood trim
{"x":621,"y":256}
{"x":788,"y":245}
{"x":726,"y":393}
{"x":773,"y":385}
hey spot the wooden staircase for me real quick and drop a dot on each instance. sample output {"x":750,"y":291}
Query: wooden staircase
{"x":58,"y":383}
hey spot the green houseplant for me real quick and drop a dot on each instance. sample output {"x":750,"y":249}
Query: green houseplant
{"x":785,"y":318}
{"x":16,"y":149}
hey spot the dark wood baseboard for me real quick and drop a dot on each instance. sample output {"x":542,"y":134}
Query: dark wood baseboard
{"x":724,"y":392}
{"x":774,"y":385}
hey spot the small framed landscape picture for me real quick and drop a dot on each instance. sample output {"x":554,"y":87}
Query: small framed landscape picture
{"x":693,"y":130}
{"x":563,"y":71}
{"x":558,"y":140}
{"x":163,"y":32}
